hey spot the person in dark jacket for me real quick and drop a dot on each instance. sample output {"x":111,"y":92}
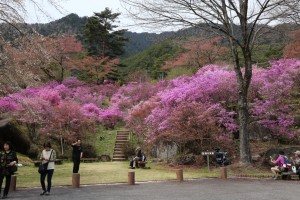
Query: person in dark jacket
{"x":139,"y":156}
{"x":8,"y":162}
{"x":76,"y":155}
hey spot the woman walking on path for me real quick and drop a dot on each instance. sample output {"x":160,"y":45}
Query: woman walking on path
{"x":48,"y":155}
{"x":8,"y":161}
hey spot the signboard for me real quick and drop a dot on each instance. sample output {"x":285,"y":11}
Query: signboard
{"x":208,"y":153}
{"x":204,"y":153}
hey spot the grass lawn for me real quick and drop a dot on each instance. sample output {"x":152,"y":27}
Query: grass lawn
{"x":107,"y":172}
{"x":105,"y":142}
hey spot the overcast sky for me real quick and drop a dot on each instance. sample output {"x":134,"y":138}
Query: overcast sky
{"x":82,"y":8}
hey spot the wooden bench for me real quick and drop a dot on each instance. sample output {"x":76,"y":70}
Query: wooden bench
{"x":142,"y":164}
{"x":59,"y":161}
{"x":38,"y":162}
{"x":288,"y":175}
{"x":89,"y":159}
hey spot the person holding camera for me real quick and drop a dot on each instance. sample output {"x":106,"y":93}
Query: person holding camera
{"x":77,"y":154}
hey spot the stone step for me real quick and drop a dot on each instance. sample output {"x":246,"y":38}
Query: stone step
{"x":121,"y":142}
{"x":122,"y":133}
{"x":127,"y":132}
{"x":119,"y":156}
{"x":118,"y":153}
{"x":122,"y":138}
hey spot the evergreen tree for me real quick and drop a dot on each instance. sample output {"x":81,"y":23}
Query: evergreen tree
{"x":103,"y":41}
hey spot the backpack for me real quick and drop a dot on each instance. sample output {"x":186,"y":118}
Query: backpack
{"x":287,"y":163}
{"x":219,"y":157}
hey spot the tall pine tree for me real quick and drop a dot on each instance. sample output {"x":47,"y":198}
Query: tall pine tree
{"x":102,"y":40}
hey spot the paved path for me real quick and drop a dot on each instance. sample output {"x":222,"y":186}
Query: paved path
{"x":202,"y":189}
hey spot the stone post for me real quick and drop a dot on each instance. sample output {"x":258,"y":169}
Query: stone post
{"x":131,"y":178}
{"x":223,"y":173}
{"x":13,"y":183}
{"x":76,"y":180}
{"x":179,"y":175}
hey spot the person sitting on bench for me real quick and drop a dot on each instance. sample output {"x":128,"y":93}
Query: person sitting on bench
{"x":279,"y":165}
{"x":296,"y":161}
{"x":139,"y":156}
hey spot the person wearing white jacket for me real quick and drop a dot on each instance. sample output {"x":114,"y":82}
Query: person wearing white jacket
{"x":48,"y":156}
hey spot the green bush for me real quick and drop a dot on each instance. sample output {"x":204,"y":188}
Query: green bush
{"x":34,"y":151}
{"x":179,"y":71}
{"x":89,"y":151}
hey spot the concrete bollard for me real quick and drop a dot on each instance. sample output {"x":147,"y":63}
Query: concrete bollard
{"x":131,"y":178}
{"x":223,"y":173}
{"x":13,"y":183}
{"x":76,"y":180}
{"x":179,"y":175}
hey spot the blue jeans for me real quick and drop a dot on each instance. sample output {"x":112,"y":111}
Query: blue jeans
{"x":49,"y":174}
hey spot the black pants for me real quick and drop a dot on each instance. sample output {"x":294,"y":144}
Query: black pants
{"x":49,"y":174}
{"x":7,"y":183}
{"x":76,"y":163}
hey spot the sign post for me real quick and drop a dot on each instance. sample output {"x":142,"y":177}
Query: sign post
{"x":207,"y":154}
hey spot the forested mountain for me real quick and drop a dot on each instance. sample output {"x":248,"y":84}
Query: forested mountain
{"x":73,"y":25}
{"x":147,"y":55}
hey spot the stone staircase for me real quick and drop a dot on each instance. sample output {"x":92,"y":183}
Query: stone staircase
{"x":121,"y":139}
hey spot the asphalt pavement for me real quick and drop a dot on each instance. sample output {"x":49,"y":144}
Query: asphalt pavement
{"x":200,"y":189}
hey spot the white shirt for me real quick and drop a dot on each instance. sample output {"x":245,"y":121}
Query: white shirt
{"x":46,"y":155}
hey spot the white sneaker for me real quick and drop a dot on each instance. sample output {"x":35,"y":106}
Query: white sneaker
{"x":47,"y":193}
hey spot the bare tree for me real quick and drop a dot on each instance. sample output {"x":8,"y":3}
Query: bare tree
{"x":240,"y":21}
{"x":16,"y":11}
{"x":13,"y":15}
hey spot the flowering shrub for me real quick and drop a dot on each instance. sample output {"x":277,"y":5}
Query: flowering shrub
{"x":276,"y":85}
{"x":110,"y":117}
{"x":181,"y":110}
{"x":60,"y":109}
{"x":187,"y":107}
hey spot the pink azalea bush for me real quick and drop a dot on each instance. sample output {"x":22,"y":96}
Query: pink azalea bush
{"x":181,"y":110}
{"x":65,"y":109}
{"x":207,"y":101}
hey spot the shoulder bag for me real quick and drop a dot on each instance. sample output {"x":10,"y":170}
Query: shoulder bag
{"x":43,"y":166}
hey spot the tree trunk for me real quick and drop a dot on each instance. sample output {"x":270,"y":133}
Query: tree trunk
{"x":62,"y":74}
{"x":245,"y":155}
{"x":243,"y":86}
{"x":62,"y":69}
